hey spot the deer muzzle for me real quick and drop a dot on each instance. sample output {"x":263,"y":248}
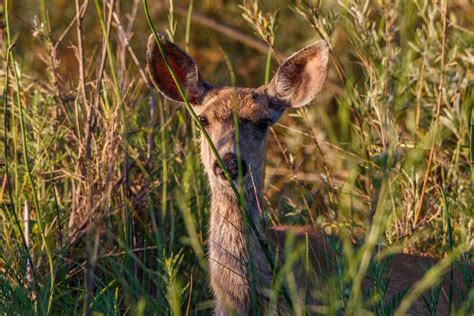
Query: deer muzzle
{"x":232,"y":165}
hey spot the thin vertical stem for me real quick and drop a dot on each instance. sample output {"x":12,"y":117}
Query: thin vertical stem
{"x":268,"y":65}
{"x":26,"y":223}
{"x":81,"y":93}
{"x":188,"y":26}
{"x":431,"y":156}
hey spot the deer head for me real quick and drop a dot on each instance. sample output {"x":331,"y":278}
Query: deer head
{"x":298,"y":79}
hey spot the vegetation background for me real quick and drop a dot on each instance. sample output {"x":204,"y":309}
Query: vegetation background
{"x":104,"y":204}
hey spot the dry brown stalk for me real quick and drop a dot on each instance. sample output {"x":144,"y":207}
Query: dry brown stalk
{"x":436,"y":121}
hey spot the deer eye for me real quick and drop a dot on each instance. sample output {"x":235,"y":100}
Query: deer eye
{"x":204,"y":121}
{"x":263,"y":124}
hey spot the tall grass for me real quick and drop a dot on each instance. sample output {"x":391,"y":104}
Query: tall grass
{"x":105,"y":172}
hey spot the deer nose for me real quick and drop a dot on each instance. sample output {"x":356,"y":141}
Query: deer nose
{"x":231,"y":163}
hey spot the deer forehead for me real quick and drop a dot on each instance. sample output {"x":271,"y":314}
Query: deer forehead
{"x":221,"y":104}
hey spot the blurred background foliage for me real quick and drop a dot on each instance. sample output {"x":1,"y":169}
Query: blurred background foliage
{"x":115,"y":160}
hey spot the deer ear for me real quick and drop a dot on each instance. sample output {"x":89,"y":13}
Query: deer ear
{"x":184,"y":67}
{"x":300,"y":77}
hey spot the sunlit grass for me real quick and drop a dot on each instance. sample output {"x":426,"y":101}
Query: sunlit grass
{"x":107,"y":176}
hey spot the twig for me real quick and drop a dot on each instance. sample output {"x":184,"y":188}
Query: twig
{"x":91,"y":115}
{"x":132,"y":16}
{"x":293,"y":170}
{"x":26,"y":222}
{"x":71,"y":24}
{"x":188,"y":305}
{"x":151,"y":136}
{"x":436,"y":122}
{"x":318,"y":147}
{"x":226,"y":30}
{"x":126,"y":41}
{"x":81,"y":93}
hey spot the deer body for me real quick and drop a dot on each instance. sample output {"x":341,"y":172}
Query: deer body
{"x":235,"y":253}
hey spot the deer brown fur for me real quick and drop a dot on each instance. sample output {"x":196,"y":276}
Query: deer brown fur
{"x":234,"y":251}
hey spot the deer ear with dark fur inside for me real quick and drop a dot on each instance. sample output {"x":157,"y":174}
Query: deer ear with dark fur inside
{"x":300,"y":77}
{"x":184,"y":67}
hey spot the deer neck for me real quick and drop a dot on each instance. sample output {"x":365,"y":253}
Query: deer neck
{"x":225,"y":205}
{"x":234,"y":251}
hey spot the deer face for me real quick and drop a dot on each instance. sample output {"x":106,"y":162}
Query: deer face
{"x":228,"y":113}
{"x":247,"y":113}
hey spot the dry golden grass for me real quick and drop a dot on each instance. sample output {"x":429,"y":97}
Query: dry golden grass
{"x":103,"y":199}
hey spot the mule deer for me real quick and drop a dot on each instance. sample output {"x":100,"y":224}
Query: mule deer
{"x":298,"y":79}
